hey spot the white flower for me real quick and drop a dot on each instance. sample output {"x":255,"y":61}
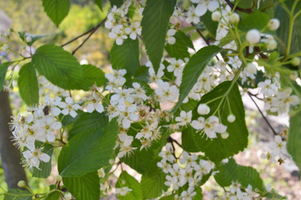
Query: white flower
{"x":133,"y":30}
{"x":191,"y":16}
{"x":101,"y":173}
{"x":189,"y":160}
{"x":216,"y":15}
{"x":166,"y":92}
{"x":33,"y":158}
{"x":176,"y":66}
{"x":127,"y":115}
{"x":121,"y":97}
{"x":123,"y":191}
{"x":267,"y":87}
{"x":95,"y":104}
{"x":278,"y":146}
{"x":211,"y":126}
{"x":205,"y":5}
{"x":184,"y":118}
{"x":69,"y":107}
{"x":251,"y":68}
{"x":47,"y":126}
{"x":169,"y":36}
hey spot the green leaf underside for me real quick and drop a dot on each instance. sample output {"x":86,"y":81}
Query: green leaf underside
{"x":28,"y":84}
{"x":126,"y":56}
{"x":294,"y":139}
{"x":45,"y":168}
{"x":88,"y":151}
{"x":56,"y":10}
{"x":33,"y":37}
{"x":218,"y":148}
{"x":154,"y":24}
{"x":152,"y":183}
{"x":3,"y":70}
{"x":17,"y":192}
{"x":194,"y":69}
{"x":257,"y":20}
{"x":132,"y":183}
{"x":85,"y":187}
{"x":92,"y":75}
{"x":58,"y":66}
{"x":88,"y":122}
{"x":282,"y":31}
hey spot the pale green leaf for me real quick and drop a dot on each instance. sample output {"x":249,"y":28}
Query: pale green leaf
{"x":58,"y":66}
{"x":154,"y":24}
{"x":56,"y":10}
{"x":84,"y":187}
{"x":28,"y":84}
{"x":88,"y":151}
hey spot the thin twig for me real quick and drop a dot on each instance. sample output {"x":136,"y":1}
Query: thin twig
{"x":265,"y":119}
{"x":249,"y":10}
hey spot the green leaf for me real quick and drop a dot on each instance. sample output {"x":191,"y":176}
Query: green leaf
{"x":257,"y":20}
{"x":117,"y":3}
{"x":28,"y":84}
{"x":250,"y":176}
{"x":229,"y":38}
{"x":142,"y":74}
{"x":209,"y":23}
{"x":88,"y":151}
{"x":180,"y":35}
{"x":3,"y":69}
{"x":179,"y":50}
{"x":199,"y":194}
{"x":227,"y":173}
{"x":56,"y":10}
{"x":154,"y":24}
{"x":169,"y":197}
{"x":45,"y":168}
{"x":126,"y":180}
{"x":98,"y":3}
{"x":283,"y":30}
{"x":193,"y":69}
{"x":26,"y":195}
{"x":84,"y":187}
{"x":55,"y":195}
{"x":294,"y":139}
{"x":92,"y":75}
{"x":68,"y":119}
{"x":188,"y":141}
{"x":126,"y":56}
{"x":152,"y":183}
{"x":218,"y":148}
{"x":88,"y":122}
{"x":58,"y":66}
{"x":33,"y":37}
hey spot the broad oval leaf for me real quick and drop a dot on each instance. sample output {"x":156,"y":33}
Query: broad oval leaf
{"x":194,"y":69}
{"x":56,"y":10}
{"x":126,"y":180}
{"x":154,"y":24}
{"x":179,"y":50}
{"x":257,"y":20}
{"x":126,"y":56}
{"x":28,"y":84}
{"x":88,"y":151}
{"x":58,"y":66}
{"x":92,"y":75}
{"x":3,"y":70}
{"x":84,"y":187}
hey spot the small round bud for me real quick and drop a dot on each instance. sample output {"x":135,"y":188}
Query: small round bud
{"x":234,"y":18}
{"x":28,"y":39}
{"x":251,"y":68}
{"x":295,"y":61}
{"x":67,"y":196}
{"x":293,"y":76}
{"x":21,"y":184}
{"x":253,"y":36}
{"x":225,"y":135}
{"x":59,"y":178}
{"x":215,"y":16}
{"x":111,"y":161}
{"x":203,"y":109}
{"x":123,"y":182}
{"x":273,"y":24}
{"x":272,"y":44}
{"x":23,"y":30}
{"x":231,"y":118}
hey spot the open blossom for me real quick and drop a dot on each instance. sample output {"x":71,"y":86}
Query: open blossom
{"x":123,"y":191}
{"x":169,"y":36}
{"x":205,"y":5}
{"x":134,"y":30}
{"x":210,"y":126}
{"x":184,"y":118}
{"x":95,"y":104}
{"x":69,"y":107}
{"x":34,"y":157}
{"x":128,"y":115}
{"x":166,"y":92}
{"x":176,"y":66}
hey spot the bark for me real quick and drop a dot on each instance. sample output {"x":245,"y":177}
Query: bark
{"x":10,"y":155}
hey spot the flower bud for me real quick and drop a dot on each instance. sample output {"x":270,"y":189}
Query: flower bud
{"x":253,"y":36}
{"x":272,"y":44}
{"x":225,"y":135}
{"x":215,"y":16}
{"x":234,"y":18}
{"x":295,"y":61}
{"x":203,"y":109}
{"x":59,"y":178}
{"x":273,"y":24}
{"x":67,"y":196}
{"x":251,"y":68}
{"x":231,"y":118}
{"x":28,"y":39}
{"x":21,"y":184}
{"x":293,"y":76}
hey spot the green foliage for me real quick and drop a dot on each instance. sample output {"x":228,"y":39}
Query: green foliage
{"x":88,"y":151}
{"x":98,"y":3}
{"x":58,"y":66}
{"x":126,"y":180}
{"x":83,"y":187}
{"x":92,"y":75}
{"x":16,"y":194}
{"x":56,"y":10}
{"x":28,"y":84}
{"x":45,"y":168}
{"x":33,"y":37}
{"x":255,"y":20}
{"x":3,"y":69}
{"x":193,"y":70}
{"x":126,"y":56}
{"x":209,"y":24}
{"x":117,"y":3}
{"x":54,"y":195}
{"x":154,"y":24}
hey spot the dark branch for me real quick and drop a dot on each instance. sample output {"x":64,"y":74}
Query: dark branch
{"x":265,"y":119}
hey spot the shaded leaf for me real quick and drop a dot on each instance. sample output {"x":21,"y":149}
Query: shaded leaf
{"x":92,"y":75}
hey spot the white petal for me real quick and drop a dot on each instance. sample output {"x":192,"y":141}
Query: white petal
{"x":201,"y":9}
{"x":90,"y":108}
{"x":44,"y":157}
{"x":55,"y":111}
{"x":73,"y":113}
{"x":213,"y":5}
{"x":126,"y":123}
{"x":99,"y":108}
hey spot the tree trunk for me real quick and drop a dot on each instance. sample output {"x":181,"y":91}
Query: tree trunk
{"x":10,"y":155}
